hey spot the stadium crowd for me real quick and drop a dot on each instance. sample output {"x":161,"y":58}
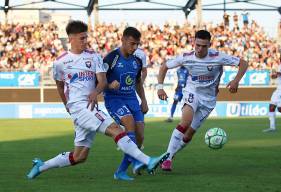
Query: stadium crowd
{"x":34,"y":47}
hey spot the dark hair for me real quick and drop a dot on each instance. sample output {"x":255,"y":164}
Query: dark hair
{"x":75,"y":27}
{"x":132,"y":32}
{"x":203,"y":34}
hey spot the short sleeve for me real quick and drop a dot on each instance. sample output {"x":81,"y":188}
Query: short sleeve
{"x":100,"y":65}
{"x":58,"y":71}
{"x":229,"y":60}
{"x":175,"y":62}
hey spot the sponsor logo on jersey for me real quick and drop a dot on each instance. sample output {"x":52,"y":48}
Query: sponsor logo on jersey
{"x":129,"y":80}
{"x":99,"y":117}
{"x":120,"y":65}
{"x":66,"y":62}
{"x":202,"y":78}
{"x":82,"y":76}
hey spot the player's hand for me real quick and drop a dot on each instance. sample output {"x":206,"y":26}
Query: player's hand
{"x":114,"y":85}
{"x":274,"y":75}
{"x":93,"y":100}
{"x":144,"y":106}
{"x":232,"y":86}
{"x":162,"y":94}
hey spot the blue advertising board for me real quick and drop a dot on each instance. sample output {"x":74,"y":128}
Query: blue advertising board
{"x":43,"y":110}
{"x":19,"y":79}
{"x":251,"y":78}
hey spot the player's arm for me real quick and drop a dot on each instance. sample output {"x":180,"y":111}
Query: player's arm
{"x":177,"y":61}
{"x":100,"y":86}
{"x":58,"y":77}
{"x":161,"y":77}
{"x":234,"y":84}
{"x":60,"y":88}
{"x":143,"y":74}
{"x":101,"y":83}
{"x":140,"y":92}
{"x":114,"y":84}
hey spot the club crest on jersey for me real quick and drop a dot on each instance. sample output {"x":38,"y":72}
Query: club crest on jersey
{"x":135,"y":65}
{"x":210,"y":67}
{"x":88,"y":64}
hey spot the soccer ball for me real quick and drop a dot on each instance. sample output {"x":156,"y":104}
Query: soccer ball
{"x":215,"y":138}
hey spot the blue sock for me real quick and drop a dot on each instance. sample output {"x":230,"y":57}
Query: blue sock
{"x":127,"y":159}
{"x":173,"y":109}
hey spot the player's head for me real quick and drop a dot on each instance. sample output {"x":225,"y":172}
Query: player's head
{"x":202,"y":43}
{"x":130,"y":40}
{"x":77,"y":34}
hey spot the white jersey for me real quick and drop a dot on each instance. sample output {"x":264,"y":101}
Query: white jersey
{"x":141,"y":54}
{"x":278,"y":80}
{"x":78,"y":72}
{"x":204,"y":74}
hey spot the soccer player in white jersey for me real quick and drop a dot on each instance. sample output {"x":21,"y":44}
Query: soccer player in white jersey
{"x":205,"y":67}
{"x":76,"y":73}
{"x":275,"y":100}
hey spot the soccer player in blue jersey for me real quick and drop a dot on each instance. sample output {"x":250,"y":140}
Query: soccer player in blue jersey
{"x":182,"y":74}
{"x":124,"y":80}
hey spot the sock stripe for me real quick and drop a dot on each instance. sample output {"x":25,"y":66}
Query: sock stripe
{"x":71,"y":159}
{"x":119,"y":136}
{"x":182,"y":129}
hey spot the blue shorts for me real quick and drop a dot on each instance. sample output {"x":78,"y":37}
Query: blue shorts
{"x":118,"y":108}
{"x":178,"y":96}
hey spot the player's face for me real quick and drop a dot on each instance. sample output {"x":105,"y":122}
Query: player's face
{"x":201,"y":47}
{"x":79,"y":41}
{"x":130,"y":44}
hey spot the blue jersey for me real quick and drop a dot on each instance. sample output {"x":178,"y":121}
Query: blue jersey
{"x":127,"y":71}
{"x":182,"y":74}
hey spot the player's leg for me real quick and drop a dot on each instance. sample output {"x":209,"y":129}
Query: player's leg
{"x":271,"y":113}
{"x":188,"y":110}
{"x":173,"y":108}
{"x":139,"y":133}
{"x":130,"y":148}
{"x":83,"y":141}
{"x":178,"y":133}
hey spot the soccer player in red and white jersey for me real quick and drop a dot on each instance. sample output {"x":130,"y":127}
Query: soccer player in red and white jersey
{"x":80,"y":76}
{"x":275,"y":101}
{"x":205,"y":67}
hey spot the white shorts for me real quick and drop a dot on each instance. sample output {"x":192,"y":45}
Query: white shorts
{"x":87,"y":123}
{"x":276,"y":98}
{"x":201,"y":112}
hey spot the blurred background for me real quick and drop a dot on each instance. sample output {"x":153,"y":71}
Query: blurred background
{"x":32,"y":35}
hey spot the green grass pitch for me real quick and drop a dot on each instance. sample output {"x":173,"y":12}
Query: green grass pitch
{"x":250,"y":161}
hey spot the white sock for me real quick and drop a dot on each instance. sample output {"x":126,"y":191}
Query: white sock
{"x":61,"y":160}
{"x":130,"y":148}
{"x":271,"y":116}
{"x":175,"y":143}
